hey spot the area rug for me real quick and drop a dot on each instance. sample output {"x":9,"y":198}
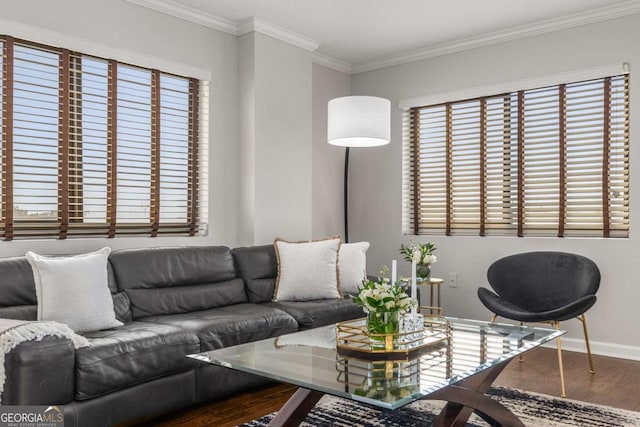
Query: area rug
{"x":535,"y":410}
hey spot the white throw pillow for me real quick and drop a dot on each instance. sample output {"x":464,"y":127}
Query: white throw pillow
{"x":307,"y":270}
{"x":352,"y":260}
{"x":74,"y":290}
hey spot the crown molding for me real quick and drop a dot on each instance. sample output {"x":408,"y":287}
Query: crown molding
{"x":252,"y":24}
{"x":330,"y":62}
{"x":197,"y":16}
{"x":54,"y":38}
{"x":591,"y":73}
{"x":190,"y":14}
{"x":555,"y":24}
{"x":268,"y":29}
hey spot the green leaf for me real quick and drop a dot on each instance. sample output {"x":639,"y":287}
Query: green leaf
{"x":373,"y":302}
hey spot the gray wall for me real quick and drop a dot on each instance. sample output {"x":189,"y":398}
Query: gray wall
{"x":246,"y":83}
{"x":283,"y":141}
{"x":377,"y":176}
{"x":276,"y":139}
{"x":328,"y":160}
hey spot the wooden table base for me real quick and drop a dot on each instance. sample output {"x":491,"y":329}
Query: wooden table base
{"x":468,"y":396}
{"x":296,"y":409}
{"x":463,"y":399}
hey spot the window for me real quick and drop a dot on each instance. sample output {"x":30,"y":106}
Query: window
{"x":550,"y":161}
{"x":95,"y":147}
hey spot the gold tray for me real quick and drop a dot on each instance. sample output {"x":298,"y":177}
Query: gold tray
{"x":353,"y":340}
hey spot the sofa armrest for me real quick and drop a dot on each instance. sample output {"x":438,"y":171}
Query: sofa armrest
{"x":40,"y":373}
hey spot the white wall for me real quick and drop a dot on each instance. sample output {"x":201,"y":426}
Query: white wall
{"x":246,"y":86}
{"x":283,"y":141}
{"x":328,"y":160}
{"x":276,"y":138}
{"x":377,"y":176}
{"x":135,"y":30}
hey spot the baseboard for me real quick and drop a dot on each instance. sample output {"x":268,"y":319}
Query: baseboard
{"x":600,"y":348}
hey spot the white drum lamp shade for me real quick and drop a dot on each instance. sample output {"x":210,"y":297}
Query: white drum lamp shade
{"x":359,"y":121}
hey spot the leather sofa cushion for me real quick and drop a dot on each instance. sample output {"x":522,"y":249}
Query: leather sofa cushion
{"x":39,"y":372}
{"x":256,"y":262}
{"x":231,"y":325}
{"x":160,"y":281}
{"x":122,"y":307}
{"x":129,"y":355}
{"x":312,"y":314}
{"x":137,"y":405}
{"x":17,"y":286}
{"x":258,"y":267}
{"x":151,"y":268}
{"x":185,"y":299}
{"x":30,"y":312}
{"x":260,"y":290}
{"x":20,"y":312}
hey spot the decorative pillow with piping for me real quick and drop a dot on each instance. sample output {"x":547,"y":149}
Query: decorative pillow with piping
{"x":352,"y":261}
{"x":307,"y":270}
{"x":74,"y":290}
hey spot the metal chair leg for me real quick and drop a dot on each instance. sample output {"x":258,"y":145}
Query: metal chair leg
{"x":520,"y":357}
{"x":583,"y":319}
{"x":556,"y":324}
{"x":493,"y":318}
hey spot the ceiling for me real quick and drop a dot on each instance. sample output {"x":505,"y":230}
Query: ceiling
{"x":363,"y":33}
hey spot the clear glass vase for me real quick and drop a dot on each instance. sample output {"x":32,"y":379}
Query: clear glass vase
{"x":383,"y":328}
{"x":423,"y":272}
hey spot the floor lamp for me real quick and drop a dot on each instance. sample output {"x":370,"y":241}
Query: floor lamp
{"x":357,"y":121}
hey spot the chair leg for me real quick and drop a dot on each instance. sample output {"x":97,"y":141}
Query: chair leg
{"x":493,"y":318}
{"x":520,"y":357}
{"x":583,"y":319}
{"x":556,"y":324}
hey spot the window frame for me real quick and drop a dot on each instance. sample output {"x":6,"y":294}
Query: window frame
{"x":65,"y":225}
{"x":413,"y":178}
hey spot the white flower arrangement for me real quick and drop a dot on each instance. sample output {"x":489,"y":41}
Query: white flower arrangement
{"x":381,"y":296}
{"x":421,"y":253}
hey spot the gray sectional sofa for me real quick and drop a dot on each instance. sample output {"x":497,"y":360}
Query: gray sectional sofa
{"x":173,"y":302}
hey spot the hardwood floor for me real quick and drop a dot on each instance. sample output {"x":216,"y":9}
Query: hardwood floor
{"x":614,"y":384}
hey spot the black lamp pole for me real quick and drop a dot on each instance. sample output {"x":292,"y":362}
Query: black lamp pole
{"x":346,"y":195}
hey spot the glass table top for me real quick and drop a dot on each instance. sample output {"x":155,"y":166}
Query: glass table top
{"x":310,"y":359}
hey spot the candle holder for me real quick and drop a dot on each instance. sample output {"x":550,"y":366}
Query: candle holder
{"x":411,"y":327}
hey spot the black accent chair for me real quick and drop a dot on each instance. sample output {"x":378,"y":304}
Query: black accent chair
{"x":543,"y":287}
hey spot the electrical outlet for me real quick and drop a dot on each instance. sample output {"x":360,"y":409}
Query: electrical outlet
{"x":453,"y":280}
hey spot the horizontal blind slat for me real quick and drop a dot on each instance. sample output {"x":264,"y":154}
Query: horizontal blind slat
{"x":36,"y":91}
{"x":582,"y":157}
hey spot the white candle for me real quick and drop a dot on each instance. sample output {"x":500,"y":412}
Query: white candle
{"x":394,"y":276}
{"x":414,"y":290}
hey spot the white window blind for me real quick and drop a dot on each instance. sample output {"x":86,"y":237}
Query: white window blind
{"x":545,"y":161}
{"x":91,"y":160}
{"x":35,"y":134}
{"x":92,"y":146}
{"x":174,"y":149}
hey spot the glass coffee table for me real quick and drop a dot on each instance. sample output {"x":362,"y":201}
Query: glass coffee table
{"x":458,"y":370}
